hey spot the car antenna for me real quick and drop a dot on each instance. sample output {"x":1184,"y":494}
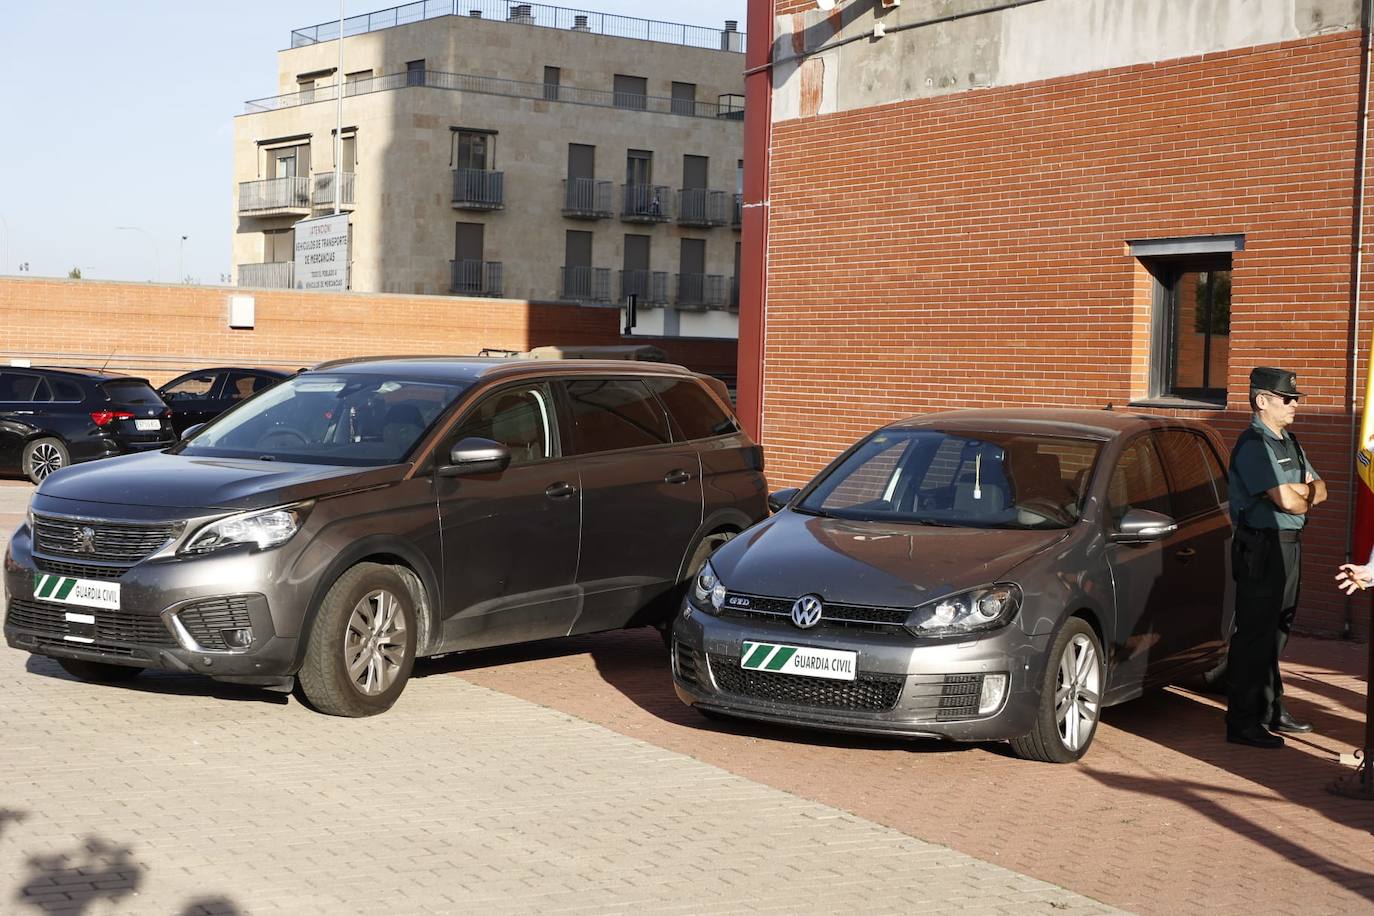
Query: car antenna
{"x":107,"y":359}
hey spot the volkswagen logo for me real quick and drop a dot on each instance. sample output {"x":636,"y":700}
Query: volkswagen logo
{"x":85,"y":540}
{"x":806,"y":611}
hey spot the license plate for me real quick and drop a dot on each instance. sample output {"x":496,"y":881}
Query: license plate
{"x":147,"y":426}
{"x":80,"y":627}
{"x":826,"y":663}
{"x":80,"y":592}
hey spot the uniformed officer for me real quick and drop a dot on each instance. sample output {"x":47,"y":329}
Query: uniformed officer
{"x":1272,"y":486}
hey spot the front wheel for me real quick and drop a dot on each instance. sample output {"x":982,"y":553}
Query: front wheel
{"x":1070,"y":698}
{"x":362,"y":644}
{"x":42,"y":457}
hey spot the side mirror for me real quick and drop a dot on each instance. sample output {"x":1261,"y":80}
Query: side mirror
{"x":192,"y":430}
{"x":779,"y":499}
{"x":475,"y":456}
{"x":1141,"y":526}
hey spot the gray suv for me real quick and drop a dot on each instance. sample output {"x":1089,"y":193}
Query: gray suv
{"x":331,"y":529}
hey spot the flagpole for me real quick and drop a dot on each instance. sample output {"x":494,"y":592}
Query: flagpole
{"x":338,"y":114}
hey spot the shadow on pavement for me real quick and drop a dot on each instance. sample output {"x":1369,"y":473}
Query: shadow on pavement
{"x":162,"y":683}
{"x":97,"y":870}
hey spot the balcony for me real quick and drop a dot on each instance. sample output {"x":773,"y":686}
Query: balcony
{"x":737,"y":214}
{"x":702,"y":207}
{"x":649,"y":287}
{"x":646,"y":203}
{"x":698,"y":292}
{"x":322,"y":194}
{"x":478,"y":189}
{"x":275,"y":197}
{"x":585,"y":284}
{"x":272,"y":275}
{"x":476,"y":278}
{"x":587,"y":198}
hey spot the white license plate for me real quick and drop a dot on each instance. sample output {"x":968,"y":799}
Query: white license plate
{"x":80,"y":592}
{"x":826,"y":663}
{"x":148,"y":426}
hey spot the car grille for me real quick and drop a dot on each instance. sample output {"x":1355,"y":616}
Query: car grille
{"x":45,"y":618}
{"x":945,"y":697}
{"x":869,"y":692}
{"x":688,"y":664}
{"x":79,"y":570}
{"x":883,"y":619}
{"x":107,"y":542}
{"x":206,"y":620}
{"x":42,"y":642}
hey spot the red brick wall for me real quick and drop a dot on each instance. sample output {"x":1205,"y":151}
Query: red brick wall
{"x":969,"y":251}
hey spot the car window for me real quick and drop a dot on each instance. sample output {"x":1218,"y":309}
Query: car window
{"x":872,"y":483}
{"x":1193,"y":492}
{"x":192,"y":388}
{"x":1138,"y":481}
{"x":242,"y":385}
{"x":614,"y":413}
{"x":131,"y":391}
{"x":520,"y":418}
{"x":21,"y":386}
{"x":65,"y":390}
{"x":1216,"y":469}
{"x":693,"y":413}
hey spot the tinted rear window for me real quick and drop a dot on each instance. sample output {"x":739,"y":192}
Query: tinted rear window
{"x":132,"y":391}
{"x":611,"y":414}
{"x":64,"y":390}
{"x":1186,"y":456}
{"x":20,"y":386}
{"x":692,"y":410}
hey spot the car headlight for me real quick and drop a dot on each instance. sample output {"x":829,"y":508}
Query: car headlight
{"x":708,"y":590}
{"x":973,"y":611}
{"x":264,"y":529}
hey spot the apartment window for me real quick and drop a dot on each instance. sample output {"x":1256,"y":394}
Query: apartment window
{"x":348,"y":152}
{"x":288,"y":161}
{"x":553,"y":79}
{"x":279,"y":245}
{"x":357,"y":81}
{"x":631,"y":91}
{"x":684,"y":98}
{"x":474,"y":149}
{"x":306,"y":88}
{"x":639,"y":167}
{"x":415,"y":72}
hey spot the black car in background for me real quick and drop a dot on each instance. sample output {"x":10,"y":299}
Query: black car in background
{"x":50,"y":418}
{"x":200,"y":396}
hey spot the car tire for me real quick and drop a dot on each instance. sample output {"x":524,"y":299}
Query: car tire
{"x":98,"y":672}
{"x":1070,"y":698}
{"x":361,"y":647}
{"x":709,"y":545}
{"x":43,"y":456}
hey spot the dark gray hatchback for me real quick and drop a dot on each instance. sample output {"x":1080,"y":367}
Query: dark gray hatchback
{"x":358,"y":515}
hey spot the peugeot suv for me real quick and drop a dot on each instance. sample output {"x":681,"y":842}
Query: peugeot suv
{"x":332,"y":528}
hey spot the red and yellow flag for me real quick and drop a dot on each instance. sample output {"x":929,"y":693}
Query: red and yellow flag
{"x":1363,"y":537}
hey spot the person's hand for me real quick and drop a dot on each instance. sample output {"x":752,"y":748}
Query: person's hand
{"x":1352,"y":578}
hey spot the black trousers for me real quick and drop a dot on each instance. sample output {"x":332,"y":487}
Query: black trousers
{"x":1265,"y":606}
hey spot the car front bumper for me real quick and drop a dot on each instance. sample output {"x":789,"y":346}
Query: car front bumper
{"x":903,"y":686}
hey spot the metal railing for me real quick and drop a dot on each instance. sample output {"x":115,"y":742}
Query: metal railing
{"x":585,"y":284}
{"x":702,"y":207}
{"x":275,"y":194}
{"x":323,"y":193}
{"x":588,"y":198}
{"x":737,"y":212}
{"x":528,"y":14}
{"x":701,"y":291}
{"x":646,"y":203}
{"x":479,"y":189}
{"x":476,"y":278}
{"x":650,"y":287}
{"x":490,"y":85}
{"x":272,"y":275}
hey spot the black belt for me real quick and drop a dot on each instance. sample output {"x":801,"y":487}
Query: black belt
{"x":1284,"y":535}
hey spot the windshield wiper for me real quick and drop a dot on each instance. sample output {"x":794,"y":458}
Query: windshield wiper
{"x":816,"y":512}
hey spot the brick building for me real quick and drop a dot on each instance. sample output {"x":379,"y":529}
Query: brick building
{"x":960,"y":203}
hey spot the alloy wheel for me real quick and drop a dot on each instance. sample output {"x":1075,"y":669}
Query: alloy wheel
{"x":45,"y":459}
{"x":1078,"y":692}
{"x":375,"y":642}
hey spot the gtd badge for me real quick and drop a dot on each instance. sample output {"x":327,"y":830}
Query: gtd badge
{"x":806,"y":611}
{"x":738,"y":601}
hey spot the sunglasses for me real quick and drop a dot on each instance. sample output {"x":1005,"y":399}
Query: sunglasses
{"x":1285,"y":398}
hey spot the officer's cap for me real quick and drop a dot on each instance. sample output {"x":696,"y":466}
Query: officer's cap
{"x":1279,"y":381}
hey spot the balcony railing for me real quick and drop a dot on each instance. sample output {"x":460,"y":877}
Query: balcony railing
{"x":726,"y":109}
{"x":737,"y":213}
{"x":275,"y":196}
{"x":476,"y":278}
{"x":323,"y":194}
{"x":649,"y":287}
{"x":478,"y":189}
{"x":702,"y":207}
{"x":528,"y":14}
{"x":272,"y":275}
{"x":646,"y":203}
{"x":701,"y":291}
{"x":585,"y":284}
{"x":587,"y":198}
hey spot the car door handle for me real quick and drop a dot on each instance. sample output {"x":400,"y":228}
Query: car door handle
{"x":1186,"y":554}
{"x":560,"y":490}
{"x":677,"y":476}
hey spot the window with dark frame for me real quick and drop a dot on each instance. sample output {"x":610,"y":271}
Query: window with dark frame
{"x":553,"y":78}
{"x":474,"y":150}
{"x":1192,"y":326}
{"x":415,"y":73}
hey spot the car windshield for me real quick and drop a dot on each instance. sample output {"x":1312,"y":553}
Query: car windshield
{"x":964,"y":479}
{"x":329,"y":418}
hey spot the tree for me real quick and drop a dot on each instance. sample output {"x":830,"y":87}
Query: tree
{"x":74,"y":273}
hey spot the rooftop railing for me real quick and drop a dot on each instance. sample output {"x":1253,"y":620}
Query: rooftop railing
{"x":528,"y":14}
{"x":730,"y":107}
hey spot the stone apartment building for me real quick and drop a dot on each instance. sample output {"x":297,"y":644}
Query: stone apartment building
{"x":499,"y":149}
{"x":974,"y":203}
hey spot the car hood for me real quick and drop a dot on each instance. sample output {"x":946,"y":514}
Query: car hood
{"x":159,"y":479}
{"x":871,"y":563}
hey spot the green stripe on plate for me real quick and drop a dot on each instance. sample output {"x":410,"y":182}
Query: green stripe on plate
{"x":756,"y":657}
{"x":65,"y":589}
{"x":784,"y":655}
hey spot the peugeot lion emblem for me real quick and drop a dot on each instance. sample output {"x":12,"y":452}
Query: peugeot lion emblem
{"x":806,"y":611}
{"x":85,"y":540}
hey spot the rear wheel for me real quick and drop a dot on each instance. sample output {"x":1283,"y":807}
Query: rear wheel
{"x":98,"y":672}
{"x":362,"y":644}
{"x":1070,"y":698}
{"x":42,"y":457}
{"x":709,"y":545}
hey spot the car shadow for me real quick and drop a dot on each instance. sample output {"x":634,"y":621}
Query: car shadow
{"x":159,"y":682}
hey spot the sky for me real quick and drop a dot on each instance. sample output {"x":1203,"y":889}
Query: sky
{"x":117,"y":122}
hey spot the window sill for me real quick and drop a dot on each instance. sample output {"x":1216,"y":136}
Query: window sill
{"x":1178,"y":404}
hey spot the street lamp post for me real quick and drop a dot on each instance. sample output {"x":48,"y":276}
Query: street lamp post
{"x":151,"y":241}
{"x":181,"y":265}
